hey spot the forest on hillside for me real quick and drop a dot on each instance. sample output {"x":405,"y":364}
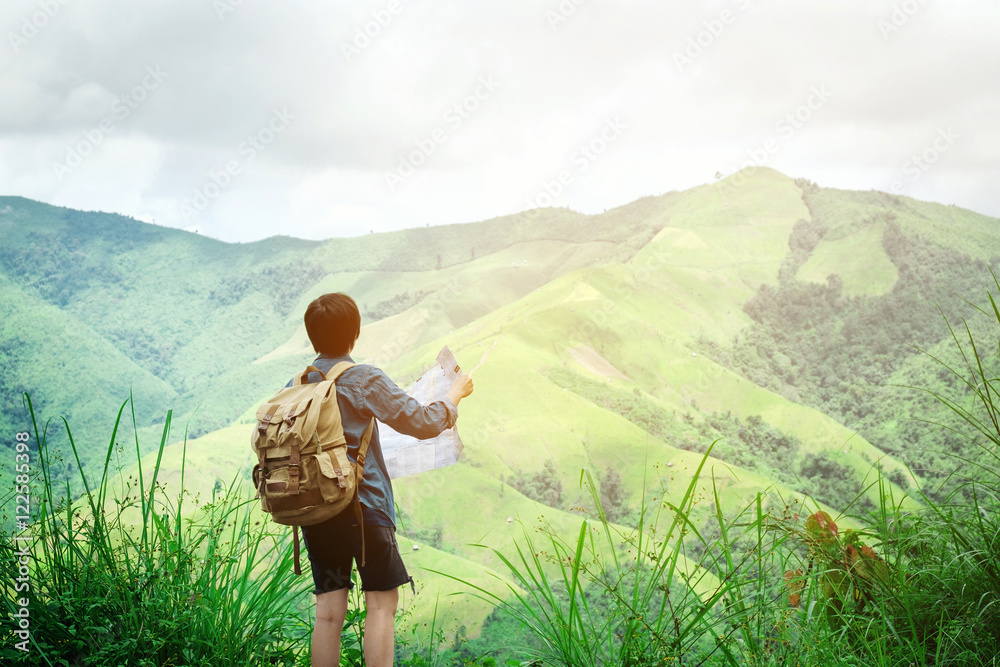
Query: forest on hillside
{"x":873,"y":363}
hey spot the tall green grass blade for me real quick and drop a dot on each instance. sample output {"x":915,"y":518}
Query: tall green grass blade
{"x":148,"y":506}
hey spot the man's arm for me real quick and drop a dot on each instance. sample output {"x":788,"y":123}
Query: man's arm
{"x":393,"y":406}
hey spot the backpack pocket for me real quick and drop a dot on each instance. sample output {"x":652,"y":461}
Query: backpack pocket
{"x":325,"y":486}
{"x":338,"y":476}
{"x":280,"y":494}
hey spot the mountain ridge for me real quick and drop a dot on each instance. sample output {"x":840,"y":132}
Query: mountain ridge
{"x":709,"y":305}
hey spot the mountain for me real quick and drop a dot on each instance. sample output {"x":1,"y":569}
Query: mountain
{"x":766,"y":313}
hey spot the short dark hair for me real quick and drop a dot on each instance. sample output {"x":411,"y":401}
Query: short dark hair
{"x":333,"y":324}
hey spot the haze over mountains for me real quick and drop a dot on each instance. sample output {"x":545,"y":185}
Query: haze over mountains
{"x":767,"y":313}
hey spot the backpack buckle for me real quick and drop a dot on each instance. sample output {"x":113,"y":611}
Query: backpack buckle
{"x":263,"y":424}
{"x":265,"y":421}
{"x":293,"y":479}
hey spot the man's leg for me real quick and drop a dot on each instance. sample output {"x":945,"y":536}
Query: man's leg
{"x":331,"y":609}
{"x":380,"y":634}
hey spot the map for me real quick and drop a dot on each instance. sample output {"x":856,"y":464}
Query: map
{"x":405,"y":455}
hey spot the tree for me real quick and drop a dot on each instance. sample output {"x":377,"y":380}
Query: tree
{"x":543,"y":486}
{"x":613,"y":494}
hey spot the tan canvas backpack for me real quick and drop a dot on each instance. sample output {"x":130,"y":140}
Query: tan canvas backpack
{"x":303,"y":475}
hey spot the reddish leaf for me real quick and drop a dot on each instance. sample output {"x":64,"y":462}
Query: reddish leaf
{"x":821,"y":528}
{"x":795,"y":585}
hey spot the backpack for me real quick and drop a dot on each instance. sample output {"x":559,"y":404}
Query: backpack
{"x":303,"y":475}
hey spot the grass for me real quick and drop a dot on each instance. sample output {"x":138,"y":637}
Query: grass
{"x":916,"y":582}
{"x":676,"y":589}
{"x":592,"y":603}
{"x":859,"y":259}
{"x":762,"y":586}
{"x":182,"y":586}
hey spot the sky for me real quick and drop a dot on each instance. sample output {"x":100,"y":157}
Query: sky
{"x":242,"y":119}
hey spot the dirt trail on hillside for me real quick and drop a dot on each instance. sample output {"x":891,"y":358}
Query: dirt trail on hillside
{"x":590,"y":359}
{"x":482,"y":359}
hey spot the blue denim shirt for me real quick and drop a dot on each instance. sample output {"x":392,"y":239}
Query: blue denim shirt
{"x":363,"y":392}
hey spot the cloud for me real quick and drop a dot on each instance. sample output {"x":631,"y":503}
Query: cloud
{"x":369,"y":82}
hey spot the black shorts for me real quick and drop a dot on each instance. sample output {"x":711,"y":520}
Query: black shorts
{"x":333,"y":546}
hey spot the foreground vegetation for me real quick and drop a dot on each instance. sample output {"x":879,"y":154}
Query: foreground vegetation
{"x":140,"y":578}
{"x":781,"y":583}
{"x":131,"y":576}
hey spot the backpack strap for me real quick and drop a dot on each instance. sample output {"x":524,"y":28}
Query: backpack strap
{"x":335,"y":372}
{"x":295,"y":535}
{"x":257,"y":476}
{"x":359,"y":469}
{"x":332,"y":374}
{"x":302,"y":377}
{"x":265,"y":422}
{"x":360,"y":516}
{"x":294,"y":469}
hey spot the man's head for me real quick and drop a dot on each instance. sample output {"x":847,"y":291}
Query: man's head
{"x":333,"y":324}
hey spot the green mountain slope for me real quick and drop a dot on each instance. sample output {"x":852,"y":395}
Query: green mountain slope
{"x":68,"y":369}
{"x":213,"y":321}
{"x":761,"y":312}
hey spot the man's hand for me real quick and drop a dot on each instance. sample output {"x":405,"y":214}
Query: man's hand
{"x":460,"y":388}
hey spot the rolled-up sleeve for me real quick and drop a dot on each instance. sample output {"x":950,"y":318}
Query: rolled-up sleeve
{"x":391,"y":405}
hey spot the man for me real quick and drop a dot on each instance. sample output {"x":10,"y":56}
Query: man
{"x":333,"y":323}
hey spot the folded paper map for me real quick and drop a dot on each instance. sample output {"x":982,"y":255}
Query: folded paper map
{"x":404,"y":454}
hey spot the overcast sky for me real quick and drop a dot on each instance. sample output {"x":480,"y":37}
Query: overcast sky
{"x":246,"y":118}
